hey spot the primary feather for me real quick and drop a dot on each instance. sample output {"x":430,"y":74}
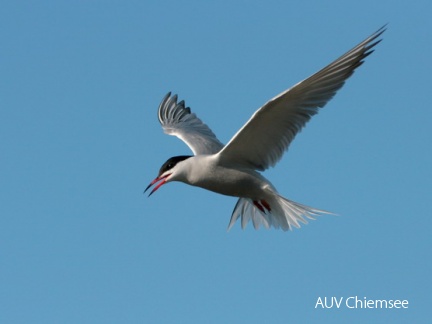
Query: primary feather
{"x":272,"y":128}
{"x":178,"y":120}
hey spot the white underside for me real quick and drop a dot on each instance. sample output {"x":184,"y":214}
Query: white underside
{"x":206,"y":172}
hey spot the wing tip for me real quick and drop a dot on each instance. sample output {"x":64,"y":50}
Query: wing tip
{"x":168,"y":103}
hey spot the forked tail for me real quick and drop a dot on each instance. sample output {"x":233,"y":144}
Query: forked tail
{"x":278,"y":212}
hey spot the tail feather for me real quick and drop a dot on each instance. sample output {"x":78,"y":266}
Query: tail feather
{"x":246,"y":210}
{"x":284,"y":213}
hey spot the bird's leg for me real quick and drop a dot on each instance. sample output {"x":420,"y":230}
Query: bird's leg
{"x":262,"y":205}
{"x":266,"y":205}
{"x":258,"y":205}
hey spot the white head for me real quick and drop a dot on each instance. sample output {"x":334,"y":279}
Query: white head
{"x":171,"y":170}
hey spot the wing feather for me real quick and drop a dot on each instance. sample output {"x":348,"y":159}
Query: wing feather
{"x":178,"y":120}
{"x":261,"y":142}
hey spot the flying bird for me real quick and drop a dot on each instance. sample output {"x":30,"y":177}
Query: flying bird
{"x":233,"y":169}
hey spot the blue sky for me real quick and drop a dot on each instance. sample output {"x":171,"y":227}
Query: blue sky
{"x":80,"y":84}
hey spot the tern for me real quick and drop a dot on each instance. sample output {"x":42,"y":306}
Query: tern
{"x":233,"y":169}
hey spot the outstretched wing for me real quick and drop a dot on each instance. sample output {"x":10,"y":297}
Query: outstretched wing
{"x":261,"y":142}
{"x":178,"y":120}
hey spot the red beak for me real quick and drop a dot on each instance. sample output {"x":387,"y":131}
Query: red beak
{"x":160,"y":184}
